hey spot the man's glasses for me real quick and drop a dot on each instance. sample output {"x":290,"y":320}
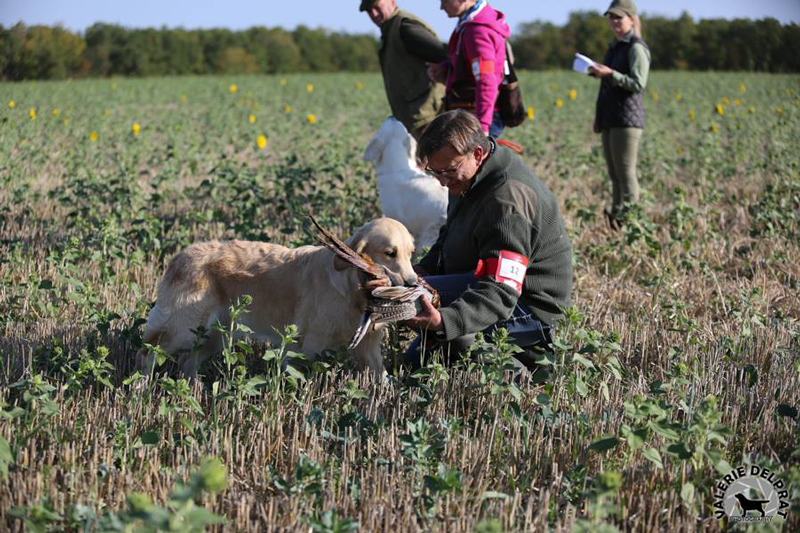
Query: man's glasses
{"x":442,"y":173}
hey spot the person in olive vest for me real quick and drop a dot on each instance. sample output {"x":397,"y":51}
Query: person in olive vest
{"x":407,"y":45}
{"x":619,"y":114}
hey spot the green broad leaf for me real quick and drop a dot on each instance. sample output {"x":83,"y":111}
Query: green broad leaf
{"x":687,"y":493}
{"x":665,"y":431}
{"x":6,"y":458}
{"x":578,"y":358}
{"x":580,"y":385}
{"x":653,"y":456}
{"x":604,"y":444}
{"x":679,"y":450}
{"x":149,"y":437}
{"x":243,"y":328}
{"x":542,"y":399}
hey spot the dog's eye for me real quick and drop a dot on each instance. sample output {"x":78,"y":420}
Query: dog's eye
{"x":391,"y":253}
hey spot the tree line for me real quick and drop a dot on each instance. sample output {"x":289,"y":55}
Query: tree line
{"x":43,"y":52}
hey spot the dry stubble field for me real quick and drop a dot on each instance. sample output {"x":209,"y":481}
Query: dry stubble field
{"x":679,"y":360}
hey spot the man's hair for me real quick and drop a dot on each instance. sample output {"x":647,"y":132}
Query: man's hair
{"x":458,"y":128}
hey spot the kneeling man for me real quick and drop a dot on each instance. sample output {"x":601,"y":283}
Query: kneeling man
{"x":503,"y":259}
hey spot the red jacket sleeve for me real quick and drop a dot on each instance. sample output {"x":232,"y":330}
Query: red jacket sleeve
{"x":486,"y":54}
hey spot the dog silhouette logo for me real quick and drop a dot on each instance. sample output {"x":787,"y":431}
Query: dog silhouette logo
{"x":750,"y":505}
{"x":751,"y":494}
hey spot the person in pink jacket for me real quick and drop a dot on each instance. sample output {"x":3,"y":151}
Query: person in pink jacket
{"x":475,"y":67}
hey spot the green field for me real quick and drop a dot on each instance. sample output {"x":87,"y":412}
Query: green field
{"x":679,"y":360}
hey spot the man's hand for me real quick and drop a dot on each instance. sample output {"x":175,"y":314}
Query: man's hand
{"x":600,"y":71}
{"x":429,"y":318}
{"x":372,"y":284}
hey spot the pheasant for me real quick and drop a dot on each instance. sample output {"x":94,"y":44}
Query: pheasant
{"x":384,"y":304}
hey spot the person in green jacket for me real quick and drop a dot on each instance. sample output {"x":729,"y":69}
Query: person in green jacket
{"x":503,"y":258}
{"x":407,"y":46}
{"x":619,"y":114}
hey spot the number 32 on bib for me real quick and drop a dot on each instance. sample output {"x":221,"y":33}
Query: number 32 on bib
{"x":509,"y":268}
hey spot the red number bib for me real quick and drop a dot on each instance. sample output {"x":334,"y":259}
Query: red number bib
{"x":509,"y":268}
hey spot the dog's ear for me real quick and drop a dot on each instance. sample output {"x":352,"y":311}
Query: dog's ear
{"x":357,"y":242}
{"x":411,"y":146}
{"x":373,"y":153}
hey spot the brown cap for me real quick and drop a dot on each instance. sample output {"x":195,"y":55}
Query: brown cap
{"x":366,"y":4}
{"x":618,"y":7}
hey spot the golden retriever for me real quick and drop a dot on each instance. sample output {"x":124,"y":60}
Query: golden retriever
{"x":307,"y":286}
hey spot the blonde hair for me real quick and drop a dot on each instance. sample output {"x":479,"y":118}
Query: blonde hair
{"x":637,"y":25}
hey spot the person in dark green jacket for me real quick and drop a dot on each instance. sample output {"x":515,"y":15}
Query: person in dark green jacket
{"x":619,"y":115}
{"x":407,"y":46}
{"x":503,"y":258}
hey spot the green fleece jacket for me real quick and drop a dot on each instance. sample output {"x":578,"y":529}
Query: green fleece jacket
{"x":507,"y":208}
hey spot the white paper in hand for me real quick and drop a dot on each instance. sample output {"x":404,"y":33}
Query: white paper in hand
{"x":581,"y":63}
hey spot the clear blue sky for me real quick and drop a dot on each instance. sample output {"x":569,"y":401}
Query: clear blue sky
{"x":344,"y":14}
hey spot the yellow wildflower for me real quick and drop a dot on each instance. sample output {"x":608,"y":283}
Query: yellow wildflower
{"x":720,"y":109}
{"x":233,"y":89}
{"x":93,"y":136}
{"x":559,"y":103}
{"x":654,"y":94}
{"x":530,"y":113}
{"x":737,"y":102}
{"x":309,"y":88}
{"x":678,"y":97}
{"x":183,"y":98}
{"x":359,"y":85}
{"x":135,"y":128}
{"x":32,"y":113}
{"x":287,"y":109}
{"x":573,"y":94}
{"x":742,"y":88}
{"x":261,"y":141}
{"x":779,"y":110}
{"x":680,"y":150}
{"x":311,"y":119}
{"x":725,"y":100}
{"x":65,"y":121}
{"x":114,"y":87}
{"x":714,"y":128}
{"x":691,"y":115}
{"x":751,"y":109}
{"x":106,"y":112}
{"x":283,"y":82}
{"x":789,"y":92}
{"x":55,"y":112}
{"x":11,"y":104}
{"x":252,"y":119}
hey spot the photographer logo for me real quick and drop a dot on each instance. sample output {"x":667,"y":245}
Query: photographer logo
{"x":750,"y":494}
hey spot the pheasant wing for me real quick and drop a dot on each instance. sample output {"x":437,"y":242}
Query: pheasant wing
{"x":347,"y":254}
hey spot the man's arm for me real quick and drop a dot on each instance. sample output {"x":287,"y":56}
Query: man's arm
{"x":421,"y":42}
{"x":488,"y":301}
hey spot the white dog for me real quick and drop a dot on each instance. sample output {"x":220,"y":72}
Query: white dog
{"x":407,"y":194}
{"x":306,"y":286}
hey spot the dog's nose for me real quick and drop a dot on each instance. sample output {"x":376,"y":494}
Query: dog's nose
{"x":411,"y":279}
